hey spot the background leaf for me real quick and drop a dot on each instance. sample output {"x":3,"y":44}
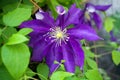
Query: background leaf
{"x":109,"y":24}
{"x":16,"y":17}
{"x":16,"y":59}
{"x":91,"y":63}
{"x":93,"y":75}
{"x":43,"y":70}
{"x":16,"y":39}
{"x":60,"y":75}
{"x":25,"y":31}
{"x":116,"y":57}
{"x":4,"y":74}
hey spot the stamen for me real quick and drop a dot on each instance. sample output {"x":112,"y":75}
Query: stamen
{"x":57,"y":35}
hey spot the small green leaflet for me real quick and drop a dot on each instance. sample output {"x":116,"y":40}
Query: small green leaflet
{"x":116,"y":57}
{"x":25,"y":31}
{"x":60,"y":75}
{"x":91,"y":63}
{"x":93,"y":75}
{"x":43,"y":71}
{"x":109,"y":24}
{"x":16,"y":39}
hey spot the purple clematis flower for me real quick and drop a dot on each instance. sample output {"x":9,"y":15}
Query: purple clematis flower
{"x":90,"y":14}
{"x":52,"y":40}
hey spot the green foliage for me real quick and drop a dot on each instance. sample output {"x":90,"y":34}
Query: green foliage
{"x":15,"y":17}
{"x":16,"y":59}
{"x":88,"y":53}
{"x":60,"y":75}
{"x":108,"y":24}
{"x":116,"y":57}
{"x":52,"y":5}
{"x":16,"y":39}
{"x":4,"y":74}
{"x":43,"y":71}
{"x":25,"y":31}
{"x":91,"y":63}
{"x":71,"y":78}
{"x":7,"y":33}
{"x":93,"y":75}
{"x":29,"y":72}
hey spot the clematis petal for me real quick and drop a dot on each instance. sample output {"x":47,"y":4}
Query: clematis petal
{"x":97,"y":7}
{"x":83,"y":31}
{"x":78,"y":53}
{"x":45,"y":17}
{"x":35,"y":38}
{"x":60,"y":10}
{"x":53,"y":55}
{"x":36,"y":25}
{"x":97,"y":20}
{"x":72,"y":16}
{"x":40,"y":50}
{"x":102,"y":7}
{"x":69,"y":58}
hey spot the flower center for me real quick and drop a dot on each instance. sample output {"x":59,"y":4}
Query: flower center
{"x":58,"y":35}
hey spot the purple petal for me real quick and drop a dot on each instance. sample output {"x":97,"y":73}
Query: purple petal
{"x":98,"y":7}
{"x":90,"y":7}
{"x":83,"y":32}
{"x":60,"y":10}
{"x":97,"y":20}
{"x":102,"y":7}
{"x":35,"y":38}
{"x":69,"y":58}
{"x":72,"y":16}
{"x":36,"y":25}
{"x":45,"y":17}
{"x":53,"y":55}
{"x":40,"y":50}
{"x":78,"y":52}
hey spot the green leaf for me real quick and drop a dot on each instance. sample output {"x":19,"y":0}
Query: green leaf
{"x":71,"y":78}
{"x":15,"y":17}
{"x":7,"y":33}
{"x":91,"y":63}
{"x":109,"y":24}
{"x":60,"y":75}
{"x":4,"y":74}
{"x":116,"y":57}
{"x":88,"y":53}
{"x":13,"y":6}
{"x":29,"y":72}
{"x":52,"y":5}
{"x":16,"y":59}
{"x":0,"y":57}
{"x":16,"y":39}
{"x":93,"y":75}
{"x":43,"y":70}
{"x":25,"y":31}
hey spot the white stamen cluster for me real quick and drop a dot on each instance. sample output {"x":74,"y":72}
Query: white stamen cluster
{"x":58,"y":35}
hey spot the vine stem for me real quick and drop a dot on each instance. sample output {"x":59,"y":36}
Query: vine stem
{"x":19,"y":3}
{"x":35,"y":4}
{"x":95,"y":50}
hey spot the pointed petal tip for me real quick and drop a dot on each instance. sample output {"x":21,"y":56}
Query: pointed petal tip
{"x":60,"y":10}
